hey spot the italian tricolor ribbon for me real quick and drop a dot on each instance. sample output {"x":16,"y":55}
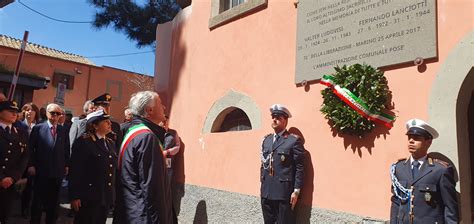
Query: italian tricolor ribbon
{"x":131,"y":134}
{"x":356,"y":103}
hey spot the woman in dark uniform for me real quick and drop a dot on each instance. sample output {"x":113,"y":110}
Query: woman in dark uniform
{"x":92,"y":171}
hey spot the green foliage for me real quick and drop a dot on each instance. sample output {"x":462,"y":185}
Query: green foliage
{"x":138,"y":22}
{"x":367,"y":83}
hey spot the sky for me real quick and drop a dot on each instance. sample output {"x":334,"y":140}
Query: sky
{"x":77,"y":38}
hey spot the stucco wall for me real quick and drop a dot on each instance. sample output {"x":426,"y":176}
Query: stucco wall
{"x":255,"y":55}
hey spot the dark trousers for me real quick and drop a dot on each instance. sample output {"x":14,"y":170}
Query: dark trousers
{"x":91,"y":213}
{"x":45,"y":195}
{"x":7,"y":196}
{"x":169,"y":172}
{"x":26,"y":195}
{"x":276,"y":211}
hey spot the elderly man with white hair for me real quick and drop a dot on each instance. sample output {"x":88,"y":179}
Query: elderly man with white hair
{"x":142,"y":195}
{"x":49,"y":163}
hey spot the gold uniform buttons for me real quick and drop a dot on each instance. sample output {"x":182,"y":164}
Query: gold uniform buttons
{"x":110,"y":157}
{"x":111,"y":165}
{"x":110,"y":174}
{"x":4,"y":167}
{"x":110,"y":184}
{"x":9,"y":151}
{"x":11,"y":143}
{"x":6,"y":159}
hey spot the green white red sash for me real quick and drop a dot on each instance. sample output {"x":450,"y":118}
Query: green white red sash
{"x":356,"y":103}
{"x":131,"y":134}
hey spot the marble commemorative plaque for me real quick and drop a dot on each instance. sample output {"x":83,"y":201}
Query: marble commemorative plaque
{"x":375,"y":32}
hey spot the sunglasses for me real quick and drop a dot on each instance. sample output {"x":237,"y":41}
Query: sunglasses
{"x":54,"y":113}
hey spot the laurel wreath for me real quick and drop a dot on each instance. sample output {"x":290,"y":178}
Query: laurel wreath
{"x":365,"y":82}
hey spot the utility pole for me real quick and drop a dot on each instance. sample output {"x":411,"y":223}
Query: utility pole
{"x":17,"y":67}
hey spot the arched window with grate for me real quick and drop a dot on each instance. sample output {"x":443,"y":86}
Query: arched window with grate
{"x":231,"y":119}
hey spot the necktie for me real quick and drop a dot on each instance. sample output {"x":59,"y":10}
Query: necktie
{"x":7,"y":129}
{"x":105,"y":143}
{"x":53,"y":131}
{"x":275,"y":138}
{"x":415,"y":169}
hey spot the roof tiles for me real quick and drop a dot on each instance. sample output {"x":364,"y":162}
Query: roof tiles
{"x":11,"y":42}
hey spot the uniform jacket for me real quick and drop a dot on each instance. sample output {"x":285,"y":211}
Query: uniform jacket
{"x":116,"y":135}
{"x":142,"y":195}
{"x":21,"y":125}
{"x":49,"y":155}
{"x":434,"y":193}
{"x":78,"y":128}
{"x":13,"y":153}
{"x":288,"y":157}
{"x":92,"y":170}
{"x":172,"y":141}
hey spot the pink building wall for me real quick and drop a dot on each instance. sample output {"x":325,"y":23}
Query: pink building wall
{"x":255,"y":55}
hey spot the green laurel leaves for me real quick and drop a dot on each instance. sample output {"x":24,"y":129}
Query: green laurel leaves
{"x":366,"y":82}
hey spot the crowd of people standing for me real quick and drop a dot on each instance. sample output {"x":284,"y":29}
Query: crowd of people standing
{"x":112,"y":170}
{"x":127,"y":168}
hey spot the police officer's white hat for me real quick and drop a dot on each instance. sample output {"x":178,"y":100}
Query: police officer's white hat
{"x":97,"y":116}
{"x":419,"y":127}
{"x":279,"y":109}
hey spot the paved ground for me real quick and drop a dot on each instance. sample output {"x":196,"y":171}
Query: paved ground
{"x":62,"y":219}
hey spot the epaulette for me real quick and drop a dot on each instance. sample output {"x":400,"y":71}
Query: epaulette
{"x":108,"y":139}
{"x":87,"y":135}
{"x":264,"y":137}
{"x":295,"y":135}
{"x":445,"y":164}
{"x":402,"y":159}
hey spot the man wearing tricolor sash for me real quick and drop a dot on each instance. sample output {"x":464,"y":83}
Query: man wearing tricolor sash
{"x":142,"y":193}
{"x":423,"y":187}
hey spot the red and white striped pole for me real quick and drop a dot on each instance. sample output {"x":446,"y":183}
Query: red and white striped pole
{"x":17,"y":68}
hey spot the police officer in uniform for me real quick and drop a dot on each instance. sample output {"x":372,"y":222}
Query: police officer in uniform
{"x":13,"y":155}
{"x":281,"y":171}
{"x":92,"y":171}
{"x":116,"y":134}
{"x":423,"y":188}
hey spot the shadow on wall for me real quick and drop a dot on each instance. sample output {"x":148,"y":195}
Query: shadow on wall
{"x":442,"y":157}
{"x":357,"y":143}
{"x":179,"y":179}
{"x":200,"y":217}
{"x":178,"y":58}
{"x":304,"y":205}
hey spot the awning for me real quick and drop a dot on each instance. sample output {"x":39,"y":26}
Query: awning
{"x":33,"y":81}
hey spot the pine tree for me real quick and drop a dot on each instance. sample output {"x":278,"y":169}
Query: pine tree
{"x":138,"y":22}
